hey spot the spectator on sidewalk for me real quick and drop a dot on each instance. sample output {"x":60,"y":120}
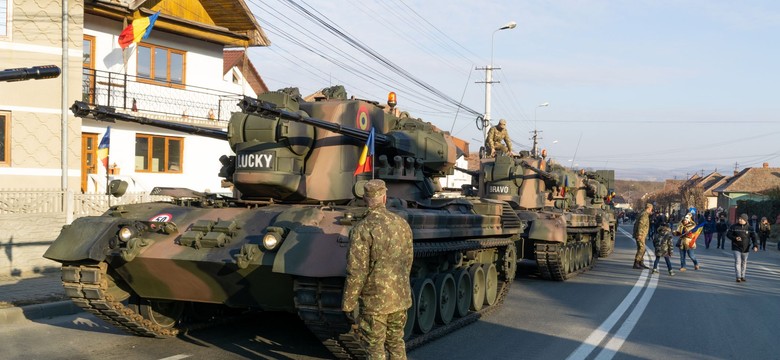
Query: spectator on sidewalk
{"x":721,"y":228}
{"x":741,"y":236}
{"x":708,"y":229}
{"x":764,"y":229}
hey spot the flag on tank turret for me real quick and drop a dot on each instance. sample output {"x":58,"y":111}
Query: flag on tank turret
{"x":103,"y":147}
{"x":138,"y":30}
{"x":365,"y":160}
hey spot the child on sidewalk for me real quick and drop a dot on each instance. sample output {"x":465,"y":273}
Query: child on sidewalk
{"x":662,"y":241}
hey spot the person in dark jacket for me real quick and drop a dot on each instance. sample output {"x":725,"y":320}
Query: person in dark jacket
{"x":764,"y":229}
{"x":741,"y":236}
{"x":721,"y":227}
{"x":708,"y":229}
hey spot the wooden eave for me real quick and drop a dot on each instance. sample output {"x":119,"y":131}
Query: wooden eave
{"x":242,"y":36}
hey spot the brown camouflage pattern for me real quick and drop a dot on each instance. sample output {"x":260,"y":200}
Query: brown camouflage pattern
{"x":382,"y":335}
{"x":495,"y":138}
{"x":379,"y":263}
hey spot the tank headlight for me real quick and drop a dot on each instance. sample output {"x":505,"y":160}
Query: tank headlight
{"x":271,"y":240}
{"x":126,"y":233}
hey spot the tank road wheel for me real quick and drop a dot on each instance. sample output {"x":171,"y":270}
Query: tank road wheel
{"x":491,"y":284}
{"x":462,"y":292}
{"x":445,"y":298}
{"x":477,"y":287}
{"x":164,"y":314}
{"x":425,"y":299}
{"x":411,"y":317}
{"x":566,"y":259}
{"x":509,"y":263}
{"x":577,"y":254}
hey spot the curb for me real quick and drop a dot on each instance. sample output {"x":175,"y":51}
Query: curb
{"x":15,"y":315}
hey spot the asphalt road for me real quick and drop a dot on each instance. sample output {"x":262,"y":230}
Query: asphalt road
{"x":612,"y":311}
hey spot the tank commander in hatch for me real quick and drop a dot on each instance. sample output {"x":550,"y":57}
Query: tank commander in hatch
{"x":378,"y":266}
{"x":495,"y":136}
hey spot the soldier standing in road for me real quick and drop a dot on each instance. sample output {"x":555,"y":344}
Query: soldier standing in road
{"x":641,"y":227}
{"x":741,"y":236}
{"x":495,"y":136}
{"x":378,"y":266}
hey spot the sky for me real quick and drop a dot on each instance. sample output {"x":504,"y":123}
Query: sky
{"x":652,"y":89}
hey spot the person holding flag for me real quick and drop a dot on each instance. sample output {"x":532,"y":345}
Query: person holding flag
{"x":688,"y":231}
{"x":365,"y":162}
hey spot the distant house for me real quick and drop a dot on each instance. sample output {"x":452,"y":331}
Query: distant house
{"x":748,"y":184}
{"x":708,"y":184}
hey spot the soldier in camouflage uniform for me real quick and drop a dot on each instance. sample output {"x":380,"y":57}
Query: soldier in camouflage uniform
{"x":495,"y":136}
{"x":641,"y":228}
{"x":378,"y":266}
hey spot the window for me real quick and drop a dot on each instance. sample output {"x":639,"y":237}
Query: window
{"x":162,"y":154}
{"x":161,"y":65}
{"x":5,"y":19}
{"x":88,"y":72}
{"x":5,"y":138}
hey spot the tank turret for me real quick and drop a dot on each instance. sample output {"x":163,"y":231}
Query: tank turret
{"x":290,"y":150}
{"x":30,"y":73}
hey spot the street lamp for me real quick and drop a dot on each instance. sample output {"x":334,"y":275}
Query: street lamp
{"x":489,"y":78}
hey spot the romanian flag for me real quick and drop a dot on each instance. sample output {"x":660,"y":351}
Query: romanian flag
{"x":364,"y":163}
{"x":103,"y":148}
{"x":694,"y":234}
{"x":138,"y":30}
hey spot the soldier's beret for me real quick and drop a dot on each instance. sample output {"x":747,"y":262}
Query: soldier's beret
{"x":374,"y":188}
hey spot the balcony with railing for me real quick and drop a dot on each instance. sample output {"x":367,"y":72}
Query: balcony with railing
{"x":169,"y":101}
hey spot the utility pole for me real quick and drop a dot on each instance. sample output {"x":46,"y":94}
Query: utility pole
{"x":535,"y":138}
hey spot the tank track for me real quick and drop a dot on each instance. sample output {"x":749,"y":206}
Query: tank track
{"x":318,"y":302}
{"x":606,"y":247}
{"x":559,"y":262}
{"x":88,"y":286}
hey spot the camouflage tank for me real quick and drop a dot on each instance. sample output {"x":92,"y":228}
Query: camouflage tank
{"x":280,"y":243}
{"x":568,"y":228}
{"x":30,"y":73}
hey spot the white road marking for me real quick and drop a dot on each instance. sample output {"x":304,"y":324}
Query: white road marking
{"x":598,"y":335}
{"x":614,"y":344}
{"x":176,"y":357}
{"x":762,"y":267}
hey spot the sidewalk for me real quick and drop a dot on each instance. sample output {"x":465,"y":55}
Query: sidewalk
{"x":33,"y":298}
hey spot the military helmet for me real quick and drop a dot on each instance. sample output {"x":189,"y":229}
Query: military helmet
{"x":502,"y":122}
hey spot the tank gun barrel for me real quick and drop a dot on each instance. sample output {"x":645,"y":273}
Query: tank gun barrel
{"x":266,"y":109}
{"x":547,"y":176}
{"x":473,"y":173}
{"x":108,"y":113}
{"x":30,"y":73}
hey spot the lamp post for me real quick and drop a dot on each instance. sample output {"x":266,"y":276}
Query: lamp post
{"x":489,"y":78}
{"x":535,"y":149}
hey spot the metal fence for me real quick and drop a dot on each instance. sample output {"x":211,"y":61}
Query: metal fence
{"x":133,"y":93}
{"x":51,"y":201}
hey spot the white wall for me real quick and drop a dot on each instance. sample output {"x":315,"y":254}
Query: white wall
{"x":459,"y":178}
{"x":199,"y":169}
